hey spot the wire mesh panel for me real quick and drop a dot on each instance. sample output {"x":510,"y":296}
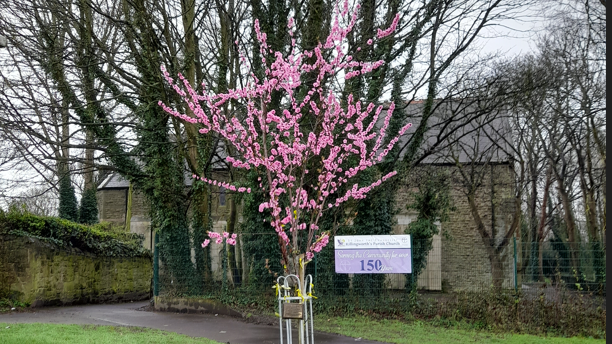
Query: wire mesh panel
{"x":252,"y":266}
{"x":576,"y":265}
{"x":559,"y":287}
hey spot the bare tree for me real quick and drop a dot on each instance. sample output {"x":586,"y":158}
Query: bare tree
{"x":559,"y":112}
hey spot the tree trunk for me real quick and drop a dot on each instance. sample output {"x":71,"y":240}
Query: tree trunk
{"x":542,"y":223}
{"x":570,"y":223}
{"x":497,"y":270}
{"x":128,"y":211}
{"x":489,"y":244}
{"x":533,"y":219}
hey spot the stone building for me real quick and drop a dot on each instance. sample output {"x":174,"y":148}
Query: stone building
{"x":472,"y":145}
{"x":112,"y":197}
{"x":113,"y":193}
{"x":479,"y":142}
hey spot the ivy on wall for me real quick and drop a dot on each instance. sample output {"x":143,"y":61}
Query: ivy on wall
{"x":433,"y":203}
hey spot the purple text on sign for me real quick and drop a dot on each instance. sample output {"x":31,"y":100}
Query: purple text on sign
{"x":373,"y":261}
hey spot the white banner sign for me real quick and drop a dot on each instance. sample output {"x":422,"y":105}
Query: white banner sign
{"x":373,"y":254}
{"x":344,"y":242}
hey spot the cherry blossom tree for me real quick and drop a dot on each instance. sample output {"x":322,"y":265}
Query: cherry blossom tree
{"x":350,"y":137}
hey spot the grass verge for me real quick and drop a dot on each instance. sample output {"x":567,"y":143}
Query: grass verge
{"x":81,"y":334}
{"x":395,"y":331}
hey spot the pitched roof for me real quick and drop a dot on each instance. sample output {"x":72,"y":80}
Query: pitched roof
{"x":461,"y":129}
{"x":116,"y":181}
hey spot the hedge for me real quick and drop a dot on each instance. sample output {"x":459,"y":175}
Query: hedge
{"x":96,"y":239}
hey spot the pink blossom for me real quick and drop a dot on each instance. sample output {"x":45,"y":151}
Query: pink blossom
{"x":273,"y":141}
{"x":321,"y":242}
{"x":383,"y":33}
{"x":205,"y":243}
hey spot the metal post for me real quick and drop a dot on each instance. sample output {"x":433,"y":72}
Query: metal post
{"x":224,"y":266}
{"x":280,"y":317}
{"x":411,"y":265}
{"x":156,"y":266}
{"x":303,"y":299}
{"x":515,"y":277}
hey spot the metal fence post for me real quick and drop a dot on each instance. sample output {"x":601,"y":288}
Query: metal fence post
{"x":515,"y":276}
{"x":224,"y":263}
{"x":412,"y":265}
{"x":156,"y":266}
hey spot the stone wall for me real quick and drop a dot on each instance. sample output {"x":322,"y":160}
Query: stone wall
{"x":112,"y":207}
{"x":140,"y":222}
{"x":43,"y":274}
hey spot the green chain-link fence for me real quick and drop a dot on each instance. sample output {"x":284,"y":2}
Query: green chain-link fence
{"x":249,"y":279}
{"x":575,"y":265}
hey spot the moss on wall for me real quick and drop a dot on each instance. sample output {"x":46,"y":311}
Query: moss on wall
{"x":41,"y":273}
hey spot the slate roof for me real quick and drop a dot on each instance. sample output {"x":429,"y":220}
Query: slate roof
{"x":116,"y":181}
{"x":478,"y":135}
{"x":113,"y":181}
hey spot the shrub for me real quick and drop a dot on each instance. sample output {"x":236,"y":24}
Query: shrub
{"x":556,"y":311}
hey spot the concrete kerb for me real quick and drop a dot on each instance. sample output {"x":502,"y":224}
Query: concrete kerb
{"x":209,"y":306}
{"x":202,"y":306}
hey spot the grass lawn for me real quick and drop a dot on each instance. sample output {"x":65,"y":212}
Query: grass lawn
{"x":394,"y":331}
{"x":77,"y":334}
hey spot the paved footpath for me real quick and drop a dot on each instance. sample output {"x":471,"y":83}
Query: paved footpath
{"x":221,"y":328}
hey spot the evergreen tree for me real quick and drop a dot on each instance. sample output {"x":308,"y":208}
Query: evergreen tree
{"x":375,"y":216}
{"x":68,"y":207}
{"x":88,"y":211}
